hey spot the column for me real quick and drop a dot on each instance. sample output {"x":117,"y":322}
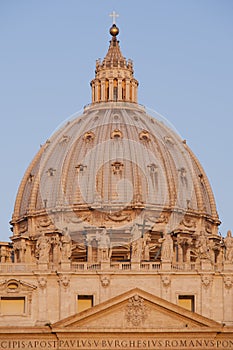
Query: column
{"x":42,"y":300}
{"x":134,"y":91}
{"x":127,"y":93}
{"x":103,"y":97}
{"x":180,"y":253}
{"x":96,"y":91}
{"x":206,"y":295}
{"x":93,"y":92}
{"x":119,"y":90}
{"x":65,"y":296}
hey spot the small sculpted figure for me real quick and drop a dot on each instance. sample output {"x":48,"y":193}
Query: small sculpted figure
{"x":104,"y":245}
{"x":43,"y":246}
{"x":66,"y":245}
{"x":229,"y":247}
{"x":167,"y":247}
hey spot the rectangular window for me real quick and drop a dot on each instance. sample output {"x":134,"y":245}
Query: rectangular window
{"x":84,"y":302}
{"x":186,"y":301}
{"x":12,"y":305}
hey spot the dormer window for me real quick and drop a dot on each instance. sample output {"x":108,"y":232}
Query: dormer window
{"x":89,"y":136}
{"x":153,"y":168}
{"x":30,"y":178}
{"x":81,"y":168}
{"x":144,"y":136}
{"x":51,"y":172}
{"x":116,"y":134}
{"x":64,"y":139}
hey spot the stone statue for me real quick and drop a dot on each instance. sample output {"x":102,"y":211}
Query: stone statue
{"x":20,"y":250}
{"x":146,"y":246}
{"x":4,"y":254}
{"x":228,"y":241}
{"x":202,"y":246}
{"x":104,"y":245}
{"x":136,"y":253}
{"x":16,"y":247}
{"x":167,"y":247}
{"x":136,"y":247}
{"x":55,"y":248}
{"x":66,"y":245}
{"x":135,"y":233}
{"x":211,"y":249}
{"x":43,"y":246}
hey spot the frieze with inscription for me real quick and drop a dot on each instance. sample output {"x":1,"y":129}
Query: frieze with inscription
{"x":118,"y":342}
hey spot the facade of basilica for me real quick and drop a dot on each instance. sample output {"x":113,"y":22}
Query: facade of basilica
{"x":115,"y":235}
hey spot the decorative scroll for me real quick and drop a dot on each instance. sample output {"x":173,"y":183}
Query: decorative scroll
{"x":188,"y":222}
{"x":117,"y":217}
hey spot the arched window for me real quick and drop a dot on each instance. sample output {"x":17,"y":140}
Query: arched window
{"x":99,"y":91}
{"x":123,"y":89}
{"x":115,"y":89}
{"x":130,"y":91}
{"x":107,"y":90}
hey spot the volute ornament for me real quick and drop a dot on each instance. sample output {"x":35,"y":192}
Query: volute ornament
{"x":23,"y":227}
{"x":208,"y":228}
{"x":44,"y":222}
{"x":188,"y":222}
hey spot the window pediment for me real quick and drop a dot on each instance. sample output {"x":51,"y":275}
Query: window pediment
{"x":15,"y":286}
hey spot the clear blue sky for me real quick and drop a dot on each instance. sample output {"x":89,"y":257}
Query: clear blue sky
{"x":183,"y":57}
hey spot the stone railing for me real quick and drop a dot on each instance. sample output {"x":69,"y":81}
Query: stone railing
{"x":84,"y":266}
{"x":185,"y":267}
{"x":114,"y":266}
{"x":198,"y":266}
{"x":17,"y":267}
{"x":122,"y":266}
{"x":148,"y":266}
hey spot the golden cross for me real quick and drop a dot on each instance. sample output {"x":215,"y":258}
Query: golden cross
{"x":114,"y":15}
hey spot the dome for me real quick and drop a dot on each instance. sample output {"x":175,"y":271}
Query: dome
{"x":112,"y":166}
{"x":115,"y":166}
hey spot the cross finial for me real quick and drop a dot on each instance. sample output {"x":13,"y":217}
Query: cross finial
{"x":114,"y":15}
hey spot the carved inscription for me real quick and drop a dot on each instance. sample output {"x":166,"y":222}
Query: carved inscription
{"x":152,"y":343}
